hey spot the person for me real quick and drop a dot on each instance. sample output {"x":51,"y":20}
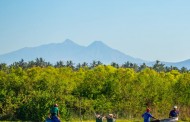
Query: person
{"x":110,"y":118}
{"x":147,"y":115}
{"x":114,"y":118}
{"x":99,"y":118}
{"x":54,"y":113}
{"x":174,"y":113}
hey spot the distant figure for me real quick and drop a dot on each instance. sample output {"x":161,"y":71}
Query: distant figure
{"x":99,"y":118}
{"x":147,"y":115}
{"x":110,"y":118}
{"x":54,"y":113}
{"x":174,"y":113}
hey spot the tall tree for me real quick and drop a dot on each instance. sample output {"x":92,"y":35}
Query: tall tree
{"x":70,"y":64}
{"x":142,"y":67}
{"x":114,"y":64}
{"x":158,"y":66}
{"x":59,"y":64}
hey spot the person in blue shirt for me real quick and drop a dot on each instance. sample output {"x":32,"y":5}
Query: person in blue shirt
{"x":174,"y":113}
{"x":147,"y":115}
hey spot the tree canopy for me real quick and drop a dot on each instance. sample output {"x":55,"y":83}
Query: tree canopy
{"x":29,"y":89}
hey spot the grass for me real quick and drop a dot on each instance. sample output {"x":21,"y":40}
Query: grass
{"x":118,"y":120}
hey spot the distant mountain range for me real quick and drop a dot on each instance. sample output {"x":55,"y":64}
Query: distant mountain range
{"x":68,"y":50}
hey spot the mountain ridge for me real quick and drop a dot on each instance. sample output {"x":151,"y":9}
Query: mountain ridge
{"x":69,"y":50}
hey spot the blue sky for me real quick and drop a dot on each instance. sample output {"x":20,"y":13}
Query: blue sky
{"x":147,"y":29}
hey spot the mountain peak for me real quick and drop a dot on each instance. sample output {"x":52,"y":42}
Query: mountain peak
{"x":97,"y":44}
{"x":68,"y":42}
{"x":69,"y":50}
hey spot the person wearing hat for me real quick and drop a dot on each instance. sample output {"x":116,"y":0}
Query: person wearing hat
{"x":174,"y":113}
{"x":147,"y":115}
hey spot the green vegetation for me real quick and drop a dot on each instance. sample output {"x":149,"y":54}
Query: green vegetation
{"x":28,"y":90}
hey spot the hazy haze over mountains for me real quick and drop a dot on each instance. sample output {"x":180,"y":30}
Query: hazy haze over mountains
{"x":68,"y":50}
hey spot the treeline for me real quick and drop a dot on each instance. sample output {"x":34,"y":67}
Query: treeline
{"x":29,"y":89}
{"x":40,"y":62}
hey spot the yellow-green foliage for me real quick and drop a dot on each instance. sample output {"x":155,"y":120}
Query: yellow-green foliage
{"x":28,"y":93}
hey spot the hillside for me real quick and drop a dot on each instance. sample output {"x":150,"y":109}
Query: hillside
{"x":69,"y":50}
